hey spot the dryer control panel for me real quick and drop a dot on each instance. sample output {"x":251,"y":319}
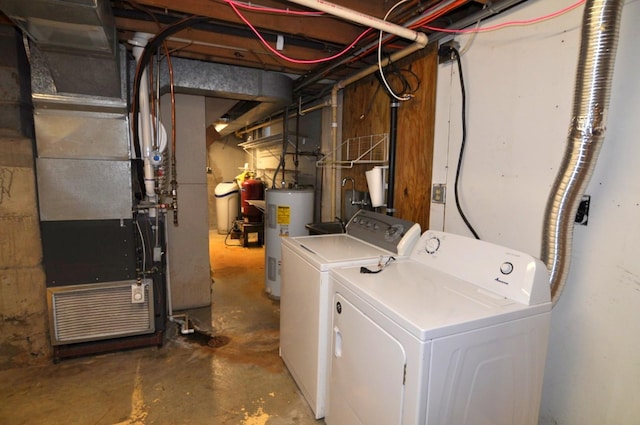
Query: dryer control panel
{"x":503,"y":271}
{"x":387,"y":232}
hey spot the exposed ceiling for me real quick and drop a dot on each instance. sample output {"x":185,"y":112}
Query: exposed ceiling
{"x":313,"y":49}
{"x":226,"y":38}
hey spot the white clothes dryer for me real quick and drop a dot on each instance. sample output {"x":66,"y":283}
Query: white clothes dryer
{"x":305,"y":308}
{"x":457,"y":334}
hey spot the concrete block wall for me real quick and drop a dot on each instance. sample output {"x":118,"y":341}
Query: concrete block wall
{"x":23,"y":310}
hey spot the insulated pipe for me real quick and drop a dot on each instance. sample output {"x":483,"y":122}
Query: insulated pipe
{"x":364,"y":19}
{"x":139,"y":41}
{"x":600,"y":28}
{"x":334,"y":104}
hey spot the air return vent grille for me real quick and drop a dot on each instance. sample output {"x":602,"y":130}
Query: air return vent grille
{"x":80,"y":313}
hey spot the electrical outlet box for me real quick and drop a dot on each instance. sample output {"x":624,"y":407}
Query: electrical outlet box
{"x":157,"y":254}
{"x":582,"y":215}
{"x":438,"y":193}
{"x":444,"y":51}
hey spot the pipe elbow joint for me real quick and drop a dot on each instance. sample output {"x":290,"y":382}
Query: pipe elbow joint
{"x":421,"y":39}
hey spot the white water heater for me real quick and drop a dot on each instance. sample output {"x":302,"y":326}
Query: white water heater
{"x":287,"y":213}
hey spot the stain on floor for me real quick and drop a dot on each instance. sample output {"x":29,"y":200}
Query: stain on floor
{"x":241,"y":382}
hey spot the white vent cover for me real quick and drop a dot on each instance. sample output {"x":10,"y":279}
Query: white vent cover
{"x":89,"y":312}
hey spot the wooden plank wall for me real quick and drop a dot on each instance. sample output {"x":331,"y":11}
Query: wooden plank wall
{"x":367,"y":111}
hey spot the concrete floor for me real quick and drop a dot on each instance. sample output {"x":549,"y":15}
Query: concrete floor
{"x":187,"y":381}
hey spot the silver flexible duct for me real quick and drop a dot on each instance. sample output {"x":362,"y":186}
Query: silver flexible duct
{"x":600,"y":28}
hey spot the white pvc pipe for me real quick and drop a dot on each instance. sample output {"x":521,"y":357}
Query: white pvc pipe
{"x":334,"y":146}
{"x":364,"y":19}
{"x":420,"y":41}
{"x":334,"y":104}
{"x":277,"y":120}
{"x":139,"y":41}
{"x":373,"y":68}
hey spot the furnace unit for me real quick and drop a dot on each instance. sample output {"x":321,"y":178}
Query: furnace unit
{"x":103,"y":254}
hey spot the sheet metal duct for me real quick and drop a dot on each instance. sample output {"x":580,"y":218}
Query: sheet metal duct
{"x":78,"y":39}
{"x":83,"y":163}
{"x":76,"y":45}
{"x":85,"y":25}
{"x":600,"y":29}
{"x":270,"y":90}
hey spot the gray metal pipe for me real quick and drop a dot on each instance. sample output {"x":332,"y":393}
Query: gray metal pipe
{"x":600,"y":29}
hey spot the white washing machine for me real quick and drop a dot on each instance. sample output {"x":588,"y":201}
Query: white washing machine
{"x":305,"y":309}
{"x":456,"y":334}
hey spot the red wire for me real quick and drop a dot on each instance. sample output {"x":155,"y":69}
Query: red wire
{"x":508,"y":24}
{"x":234,"y":5}
{"x":288,"y":59}
{"x":444,"y":10}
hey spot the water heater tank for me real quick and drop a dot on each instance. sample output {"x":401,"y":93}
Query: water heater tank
{"x":287,"y":213}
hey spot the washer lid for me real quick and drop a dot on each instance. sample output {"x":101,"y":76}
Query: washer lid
{"x":429,"y":303}
{"x":326,"y":251}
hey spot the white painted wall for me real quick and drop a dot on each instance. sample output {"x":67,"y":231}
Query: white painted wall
{"x":225,"y":161}
{"x":520,"y":84}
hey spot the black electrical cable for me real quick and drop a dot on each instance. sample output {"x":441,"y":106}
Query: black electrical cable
{"x":408,"y":92}
{"x":455,"y":52}
{"x":233,"y":228}
{"x":396,"y":74}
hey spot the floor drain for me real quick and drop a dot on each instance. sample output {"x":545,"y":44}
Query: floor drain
{"x":198,"y":337}
{"x":218,"y":341}
{"x":204,"y":339}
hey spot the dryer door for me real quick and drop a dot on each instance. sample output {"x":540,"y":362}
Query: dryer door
{"x":367,"y":370}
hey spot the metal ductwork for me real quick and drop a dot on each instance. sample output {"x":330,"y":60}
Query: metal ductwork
{"x":85,"y":25}
{"x":78,"y":40}
{"x":600,"y":29}
{"x":270,"y":91}
{"x":77,"y":54}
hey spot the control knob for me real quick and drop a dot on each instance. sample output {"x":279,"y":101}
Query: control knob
{"x":432,"y":245}
{"x":394,"y":232}
{"x":506,"y":267}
